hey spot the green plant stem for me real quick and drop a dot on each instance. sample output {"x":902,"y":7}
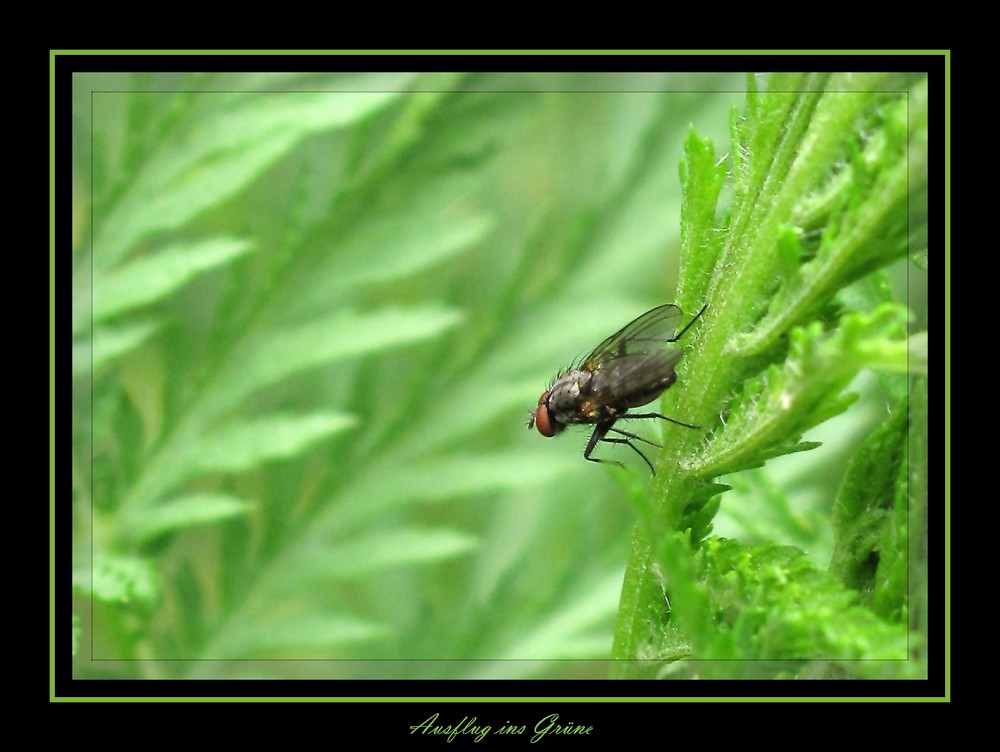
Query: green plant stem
{"x":790,"y":146}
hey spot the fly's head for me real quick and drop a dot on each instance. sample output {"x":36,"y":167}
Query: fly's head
{"x":542,"y":419}
{"x":561,"y":403}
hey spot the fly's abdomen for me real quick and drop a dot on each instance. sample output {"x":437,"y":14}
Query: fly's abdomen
{"x":640,"y":398}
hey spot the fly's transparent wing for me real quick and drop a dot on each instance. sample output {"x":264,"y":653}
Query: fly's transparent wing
{"x":625,"y":379}
{"x":633,"y":361}
{"x":647,"y":333}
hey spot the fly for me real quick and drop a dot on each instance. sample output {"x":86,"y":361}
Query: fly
{"x":631,"y":368}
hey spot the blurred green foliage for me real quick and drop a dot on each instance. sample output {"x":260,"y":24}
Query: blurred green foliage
{"x":310,"y":316}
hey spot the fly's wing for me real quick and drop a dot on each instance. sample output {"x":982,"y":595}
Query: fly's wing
{"x":631,"y":376}
{"x":633,"y":360}
{"x":647,"y":333}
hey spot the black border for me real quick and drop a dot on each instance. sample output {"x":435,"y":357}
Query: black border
{"x":65,"y":687}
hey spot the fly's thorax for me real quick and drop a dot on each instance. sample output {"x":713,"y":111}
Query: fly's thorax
{"x":567,"y":395}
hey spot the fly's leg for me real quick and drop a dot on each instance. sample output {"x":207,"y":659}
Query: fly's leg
{"x":631,"y":416}
{"x":600,"y":431}
{"x":635,"y":436}
{"x":681,"y":332}
{"x":629,"y":443}
{"x":601,"y":434}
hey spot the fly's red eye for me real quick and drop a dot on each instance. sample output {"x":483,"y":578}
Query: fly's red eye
{"x":542,"y":421}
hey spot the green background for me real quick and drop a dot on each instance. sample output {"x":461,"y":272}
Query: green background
{"x":311,"y":314}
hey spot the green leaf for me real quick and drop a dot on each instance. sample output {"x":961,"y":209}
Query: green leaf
{"x":390,"y":549}
{"x":864,"y":210}
{"x":287,"y":351}
{"x":155,"y":276}
{"x":916,"y":521}
{"x":246,"y":444}
{"x":117,"y":578}
{"x":278,"y":355}
{"x":702,"y":177}
{"x":869,"y":519}
{"x":916,"y":354}
{"x":771,"y":414}
{"x":312,"y":632}
{"x":563,"y":634}
{"x":826,"y":171}
{"x":386,"y":251}
{"x":771,"y":603}
{"x":232,"y":143}
{"x":396,"y":483}
{"x":438,"y":224}
{"x":188,"y":511}
{"x":109,"y":343}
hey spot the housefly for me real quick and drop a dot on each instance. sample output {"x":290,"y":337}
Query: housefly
{"x":631,"y":368}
